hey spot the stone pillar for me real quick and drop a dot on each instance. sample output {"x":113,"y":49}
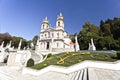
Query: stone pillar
{"x":1,"y":47}
{"x":19,"y":47}
{"x":2,"y":44}
{"x":37,"y":45}
{"x":51,"y":45}
{"x":76,"y":44}
{"x":91,"y":46}
{"x":11,"y":59}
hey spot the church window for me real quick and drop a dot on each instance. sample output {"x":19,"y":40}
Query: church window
{"x":57,"y":44}
{"x":44,"y":44}
{"x":52,"y":34}
{"x":41,"y":35}
{"x":43,"y":26}
{"x":49,"y":34}
{"x":58,"y":23}
{"x":57,"y":35}
{"x":45,"y":35}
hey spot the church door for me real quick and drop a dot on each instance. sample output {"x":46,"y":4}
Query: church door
{"x":47,"y":45}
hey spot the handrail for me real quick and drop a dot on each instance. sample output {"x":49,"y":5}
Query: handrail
{"x":96,"y":64}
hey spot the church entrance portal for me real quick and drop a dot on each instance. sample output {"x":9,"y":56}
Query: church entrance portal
{"x":6,"y":59}
{"x":47,"y":45}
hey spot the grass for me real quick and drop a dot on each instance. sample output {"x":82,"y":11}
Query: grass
{"x":118,"y":51}
{"x":71,"y":58}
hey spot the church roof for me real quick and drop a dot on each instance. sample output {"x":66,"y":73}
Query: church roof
{"x":52,"y":29}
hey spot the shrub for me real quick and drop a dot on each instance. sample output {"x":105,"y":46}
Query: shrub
{"x":49,"y":55}
{"x":118,"y":55}
{"x":30,"y":62}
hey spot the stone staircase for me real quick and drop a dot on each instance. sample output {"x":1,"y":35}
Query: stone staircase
{"x":79,"y":75}
{"x":35,"y":56}
{"x":94,"y":74}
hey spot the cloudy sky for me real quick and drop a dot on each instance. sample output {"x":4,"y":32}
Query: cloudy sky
{"x":23,"y":17}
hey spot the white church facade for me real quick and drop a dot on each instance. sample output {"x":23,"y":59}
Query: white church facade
{"x":54,"y":39}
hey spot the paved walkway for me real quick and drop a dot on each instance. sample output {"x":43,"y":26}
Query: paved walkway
{"x":2,"y":64}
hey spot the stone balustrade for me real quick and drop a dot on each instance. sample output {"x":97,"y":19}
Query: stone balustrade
{"x":76,"y":67}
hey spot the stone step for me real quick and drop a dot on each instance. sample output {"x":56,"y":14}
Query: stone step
{"x":81,"y":75}
{"x":77,"y":75}
{"x":70,"y":75}
{"x":85,"y":74}
{"x":73,"y":76}
{"x":35,"y":57}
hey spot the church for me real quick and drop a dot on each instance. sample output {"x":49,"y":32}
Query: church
{"x":54,"y":39}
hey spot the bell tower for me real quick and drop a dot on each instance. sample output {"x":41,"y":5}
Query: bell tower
{"x":45,"y":24}
{"x":60,"y":22}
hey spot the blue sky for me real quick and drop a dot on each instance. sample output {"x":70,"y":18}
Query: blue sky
{"x":23,"y":17}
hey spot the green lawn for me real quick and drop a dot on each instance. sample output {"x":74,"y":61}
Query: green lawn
{"x":70,"y":58}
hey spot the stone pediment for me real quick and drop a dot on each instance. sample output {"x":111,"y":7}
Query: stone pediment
{"x":49,"y":30}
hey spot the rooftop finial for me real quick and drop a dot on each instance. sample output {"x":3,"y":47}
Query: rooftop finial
{"x":46,"y":18}
{"x":60,"y":14}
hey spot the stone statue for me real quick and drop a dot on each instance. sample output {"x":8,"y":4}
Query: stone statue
{"x":19,"y":47}
{"x":76,"y":44}
{"x":91,"y":45}
{"x":2,"y":45}
{"x":37,"y":42}
{"x":52,"y":44}
{"x":9,"y":45}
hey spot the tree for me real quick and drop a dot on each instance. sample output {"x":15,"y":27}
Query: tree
{"x":6,"y":37}
{"x":105,"y":28}
{"x":16,"y":40}
{"x":116,"y":28}
{"x":100,"y":43}
{"x":89,"y":31}
{"x":35,"y":38}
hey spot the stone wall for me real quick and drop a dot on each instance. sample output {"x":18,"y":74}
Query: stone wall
{"x":62,"y":50}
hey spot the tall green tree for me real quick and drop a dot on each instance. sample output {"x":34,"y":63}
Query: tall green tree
{"x":35,"y":38}
{"x":16,"y":40}
{"x":106,"y":29}
{"x":89,"y":31}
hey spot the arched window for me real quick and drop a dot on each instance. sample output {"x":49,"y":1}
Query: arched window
{"x":49,"y":34}
{"x":58,"y":23}
{"x":45,"y":35}
{"x":57,"y":35}
{"x":43,"y":26}
{"x":52,"y":34}
{"x":41,"y":35}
